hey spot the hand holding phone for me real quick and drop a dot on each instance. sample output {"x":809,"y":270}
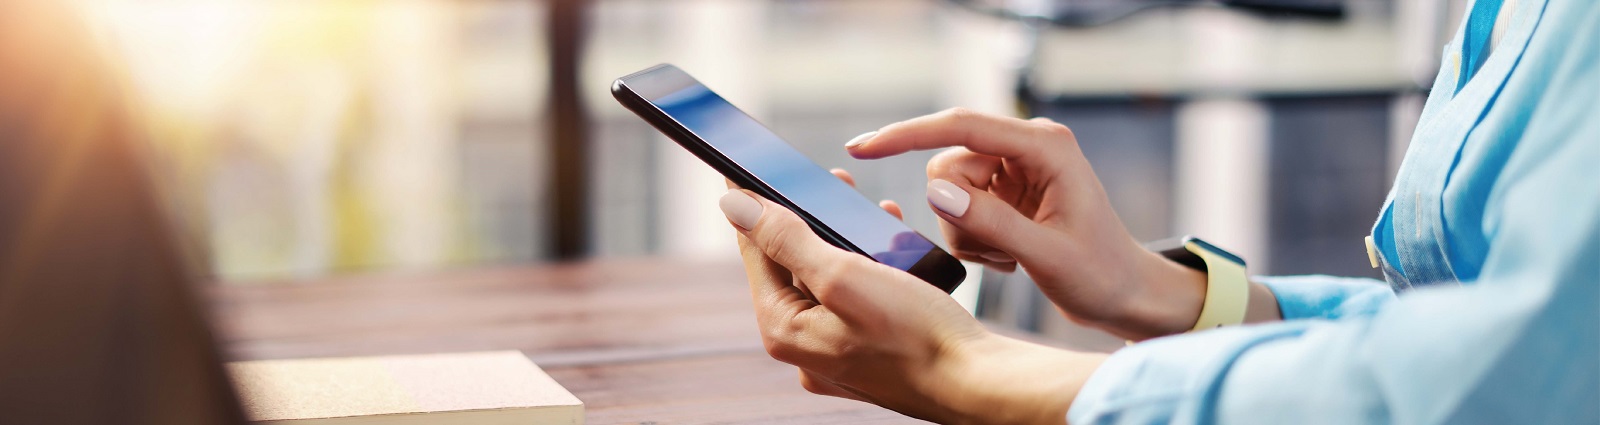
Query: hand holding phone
{"x":755,"y":158}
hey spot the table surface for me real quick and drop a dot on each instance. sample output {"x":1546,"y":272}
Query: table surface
{"x":639,"y":340}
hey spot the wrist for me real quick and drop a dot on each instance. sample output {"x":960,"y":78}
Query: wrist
{"x":1173,"y":296}
{"x":1262,"y":306}
{"x":1167,"y":301}
{"x":1002,"y":380}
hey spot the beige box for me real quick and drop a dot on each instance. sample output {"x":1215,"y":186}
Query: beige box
{"x":484,"y":388}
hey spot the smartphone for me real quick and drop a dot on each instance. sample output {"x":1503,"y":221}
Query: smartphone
{"x":755,"y":158}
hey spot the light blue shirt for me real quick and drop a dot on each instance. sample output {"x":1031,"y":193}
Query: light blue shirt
{"x":1491,"y":238}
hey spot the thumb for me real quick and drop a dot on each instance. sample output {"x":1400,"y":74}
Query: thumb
{"x":986,"y":219}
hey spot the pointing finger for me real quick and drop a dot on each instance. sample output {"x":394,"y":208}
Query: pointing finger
{"x":987,"y":134}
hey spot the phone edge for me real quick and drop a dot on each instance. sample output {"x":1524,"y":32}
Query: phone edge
{"x":673,"y":130}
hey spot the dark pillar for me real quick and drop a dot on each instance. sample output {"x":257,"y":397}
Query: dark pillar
{"x":569,"y":131}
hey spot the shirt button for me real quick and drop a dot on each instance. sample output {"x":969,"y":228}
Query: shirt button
{"x":1455,"y":68}
{"x":1372,"y":252}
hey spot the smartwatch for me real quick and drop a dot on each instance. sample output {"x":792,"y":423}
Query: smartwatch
{"x":1227,"y":285}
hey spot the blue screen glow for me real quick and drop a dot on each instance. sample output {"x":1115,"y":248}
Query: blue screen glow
{"x":755,"y":148}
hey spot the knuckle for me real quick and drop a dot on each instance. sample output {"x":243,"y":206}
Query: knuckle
{"x":775,"y":238}
{"x":1054,"y":129}
{"x":770,"y":337}
{"x":959,"y":114}
{"x":827,"y":280}
{"x":786,"y":353}
{"x":812,"y":384}
{"x":779,"y":342}
{"x":943,"y":162}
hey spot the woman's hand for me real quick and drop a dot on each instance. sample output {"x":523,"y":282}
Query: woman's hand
{"x":862,"y":330}
{"x":1020,"y":191}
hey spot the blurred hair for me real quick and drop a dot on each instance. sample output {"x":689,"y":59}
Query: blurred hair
{"x":98,"y":323}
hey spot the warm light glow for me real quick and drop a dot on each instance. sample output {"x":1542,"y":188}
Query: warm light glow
{"x":303,"y":137}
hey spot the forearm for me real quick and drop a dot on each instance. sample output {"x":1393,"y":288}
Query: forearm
{"x":1000,"y":380}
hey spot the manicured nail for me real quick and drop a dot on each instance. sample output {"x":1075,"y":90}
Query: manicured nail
{"x":863,"y":138}
{"x":948,"y":197}
{"x":998,"y":257}
{"x":740,"y":208}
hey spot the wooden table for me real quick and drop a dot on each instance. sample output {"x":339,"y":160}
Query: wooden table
{"x":639,"y":341}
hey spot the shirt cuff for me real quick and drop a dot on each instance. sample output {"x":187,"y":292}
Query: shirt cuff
{"x":1166,"y":380}
{"x":1326,"y":297}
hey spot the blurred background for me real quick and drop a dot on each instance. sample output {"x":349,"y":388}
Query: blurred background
{"x":308,"y":138}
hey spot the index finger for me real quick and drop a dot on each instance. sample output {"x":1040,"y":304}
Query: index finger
{"x":987,"y":134}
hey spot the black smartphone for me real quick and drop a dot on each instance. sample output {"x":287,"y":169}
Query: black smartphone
{"x":755,"y":158}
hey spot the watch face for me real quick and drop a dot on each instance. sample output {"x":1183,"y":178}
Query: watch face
{"x":1180,"y":250}
{"x":1177,"y":250}
{"x":1213,"y":249}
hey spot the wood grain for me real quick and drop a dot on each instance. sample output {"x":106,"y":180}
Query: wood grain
{"x":638,"y":340}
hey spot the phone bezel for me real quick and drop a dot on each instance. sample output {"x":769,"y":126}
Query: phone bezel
{"x":937,"y":267}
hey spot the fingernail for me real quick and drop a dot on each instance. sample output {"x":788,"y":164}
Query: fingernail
{"x":998,"y":257}
{"x":948,"y":197}
{"x":740,"y":208}
{"x":863,"y":138}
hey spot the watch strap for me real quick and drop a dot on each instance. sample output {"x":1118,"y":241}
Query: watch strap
{"x":1227,"y":286}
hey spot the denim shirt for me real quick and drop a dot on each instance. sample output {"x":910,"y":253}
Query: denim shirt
{"x":1490,"y":245}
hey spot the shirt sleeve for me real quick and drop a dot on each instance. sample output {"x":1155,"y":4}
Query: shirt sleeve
{"x":1520,"y":345}
{"x":1489,"y":353}
{"x":1326,"y":297}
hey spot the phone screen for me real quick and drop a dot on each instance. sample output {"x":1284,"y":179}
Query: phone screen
{"x":753,"y":147}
